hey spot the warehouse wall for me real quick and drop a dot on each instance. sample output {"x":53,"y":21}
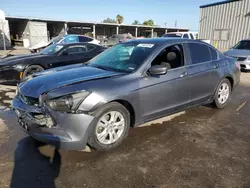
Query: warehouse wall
{"x":225,"y":24}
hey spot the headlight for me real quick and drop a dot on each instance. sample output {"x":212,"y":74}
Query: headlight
{"x":18,"y":67}
{"x":67,"y":103}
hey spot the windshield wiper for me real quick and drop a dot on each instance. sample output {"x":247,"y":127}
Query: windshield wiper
{"x":100,"y":67}
{"x":108,"y":68}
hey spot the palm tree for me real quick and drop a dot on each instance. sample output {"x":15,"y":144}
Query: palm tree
{"x":149,"y":23}
{"x":119,"y":19}
{"x":136,"y":22}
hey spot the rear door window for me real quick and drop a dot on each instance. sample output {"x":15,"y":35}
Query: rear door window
{"x":191,"y":35}
{"x":76,"y":49}
{"x":91,"y":47}
{"x":199,"y":53}
{"x":186,"y":36}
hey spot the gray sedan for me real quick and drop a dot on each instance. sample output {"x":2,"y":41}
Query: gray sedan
{"x":241,"y":52}
{"x":125,"y":86}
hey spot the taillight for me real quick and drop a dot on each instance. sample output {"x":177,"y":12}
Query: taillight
{"x":237,"y":64}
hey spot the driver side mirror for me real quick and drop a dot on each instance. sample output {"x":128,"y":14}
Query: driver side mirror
{"x":65,"y":53}
{"x":158,"y":70}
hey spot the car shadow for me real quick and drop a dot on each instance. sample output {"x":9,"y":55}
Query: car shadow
{"x":32,"y":168}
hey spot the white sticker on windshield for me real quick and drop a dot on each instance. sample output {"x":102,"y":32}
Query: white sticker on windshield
{"x":145,"y":45}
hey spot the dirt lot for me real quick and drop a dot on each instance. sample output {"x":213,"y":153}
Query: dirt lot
{"x":202,"y":147}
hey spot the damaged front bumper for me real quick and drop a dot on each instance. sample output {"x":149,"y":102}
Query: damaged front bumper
{"x":63,"y":130}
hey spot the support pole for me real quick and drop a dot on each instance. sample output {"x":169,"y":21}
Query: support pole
{"x":94,"y":31}
{"x":4,"y":45}
{"x":117,"y":30}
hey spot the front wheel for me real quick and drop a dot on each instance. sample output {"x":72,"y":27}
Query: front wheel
{"x":111,"y":128}
{"x":32,"y":69}
{"x":222,"y":93}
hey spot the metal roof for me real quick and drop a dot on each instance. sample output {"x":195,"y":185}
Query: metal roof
{"x":91,"y":23}
{"x":218,"y":3}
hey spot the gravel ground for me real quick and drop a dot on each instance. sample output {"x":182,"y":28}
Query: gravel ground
{"x":201,"y":147}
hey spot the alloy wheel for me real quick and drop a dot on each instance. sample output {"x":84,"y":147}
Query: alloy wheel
{"x":110,"y":127}
{"x":223,"y":93}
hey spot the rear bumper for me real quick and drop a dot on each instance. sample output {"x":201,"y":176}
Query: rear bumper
{"x":68,"y":131}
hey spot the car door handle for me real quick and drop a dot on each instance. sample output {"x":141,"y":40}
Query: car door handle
{"x":183,"y":74}
{"x":216,"y":66}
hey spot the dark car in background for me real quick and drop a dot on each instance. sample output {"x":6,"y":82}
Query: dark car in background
{"x":97,"y":103}
{"x":14,"y":68}
{"x":115,"y":39}
{"x":70,"y":38}
{"x":241,"y":52}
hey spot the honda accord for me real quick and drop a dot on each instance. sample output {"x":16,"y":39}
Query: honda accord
{"x":129,"y":84}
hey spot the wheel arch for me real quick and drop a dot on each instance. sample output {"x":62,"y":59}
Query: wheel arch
{"x":231,"y":80}
{"x":129,"y":107}
{"x":34,"y":64}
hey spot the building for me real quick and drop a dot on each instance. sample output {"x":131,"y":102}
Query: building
{"x":225,"y":23}
{"x":26,"y":31}
{"x":4,"y":31}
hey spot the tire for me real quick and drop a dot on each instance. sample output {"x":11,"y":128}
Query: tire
{"x":219,"y":101}
{"x":104,"y":112}
{"x":32,"y":69}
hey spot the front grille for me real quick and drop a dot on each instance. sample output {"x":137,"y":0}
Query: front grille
{"x":29,"y":100}
{"x":240,"y":58}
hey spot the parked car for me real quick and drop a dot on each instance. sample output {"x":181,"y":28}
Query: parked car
{"x":115,"y":39}
{"x":187,"y":35}
{"x":97,"y":103}
{"x":63,"y":39}
{"x":241,"y":52}
{"x":14,"y":68}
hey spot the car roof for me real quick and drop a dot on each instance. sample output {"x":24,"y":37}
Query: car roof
{"x":158,"y":40}
{"x":77,"y":35}
{"x":245,"y":40}
{"x":178,"y":32}
{"x":74,"y":43}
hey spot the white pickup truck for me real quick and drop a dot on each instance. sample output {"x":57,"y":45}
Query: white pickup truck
{"x":188,"y":35}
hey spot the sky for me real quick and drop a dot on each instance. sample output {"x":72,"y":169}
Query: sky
{"x":186,"y":12}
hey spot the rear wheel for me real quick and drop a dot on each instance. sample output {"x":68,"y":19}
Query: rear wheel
{"x":111,"y":128}
{"x":32,"y":69}
{"x":222,"y":93}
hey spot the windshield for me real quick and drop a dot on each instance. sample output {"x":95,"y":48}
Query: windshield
{"x":56,"y":39}
{"x":243,"y":45}
{"x":123,"y":57}
{"x":52,"y":49}
{"x":177,"y":35}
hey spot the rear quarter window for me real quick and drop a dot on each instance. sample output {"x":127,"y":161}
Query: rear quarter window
{"x":199,"y":53}
{"x":84,"y":39}
{"x":214,"y":54}
{"x":192,"y":36}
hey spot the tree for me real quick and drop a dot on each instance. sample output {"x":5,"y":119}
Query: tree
{"x":109,"y":20}
{"x":149,"y":23}
{"x":136,"y":22}
{"x":119,"y":19}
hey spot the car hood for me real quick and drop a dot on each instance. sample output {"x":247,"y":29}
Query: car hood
{"x":56,"y":78}
{"x":237,"y":53}
{"x":18,"y":58}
